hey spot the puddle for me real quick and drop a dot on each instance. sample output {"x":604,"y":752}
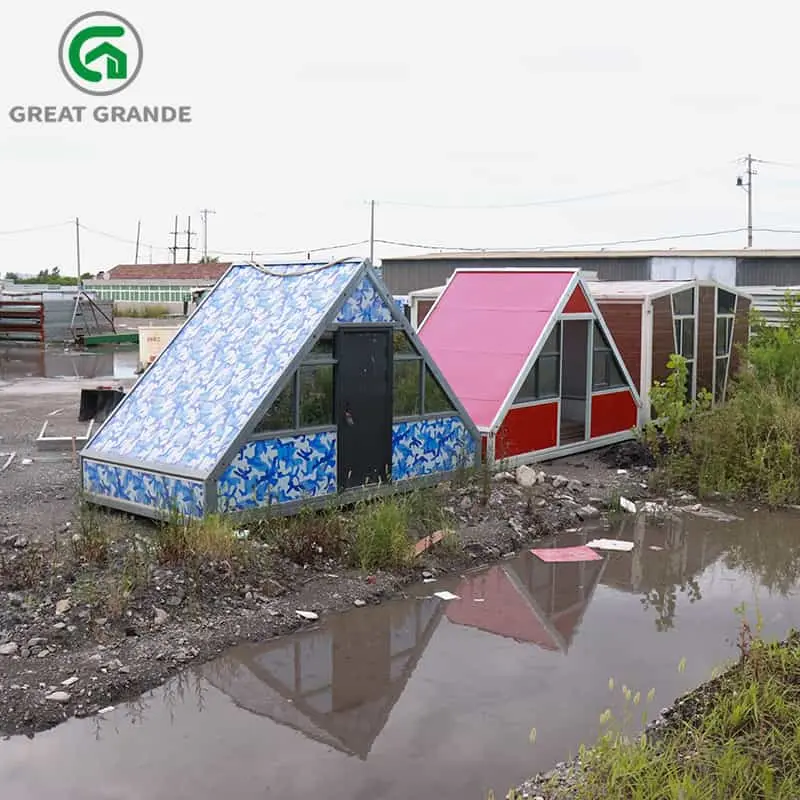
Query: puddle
{"x":38,"y":362}
{"x":431,"y":698}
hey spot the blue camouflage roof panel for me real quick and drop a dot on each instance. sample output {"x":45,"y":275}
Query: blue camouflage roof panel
{"x":189,"y":406}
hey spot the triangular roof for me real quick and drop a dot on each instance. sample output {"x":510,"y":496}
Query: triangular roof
{"x":640,"y":290}
{"x":487,"y":327}
{"x":203,"y":396}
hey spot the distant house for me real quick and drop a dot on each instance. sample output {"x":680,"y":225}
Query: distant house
{"x":139,"y":285}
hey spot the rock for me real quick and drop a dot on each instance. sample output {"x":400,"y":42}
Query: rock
{"x":248,"y":596}
{"x":20,"y":542}
{"x":466,"y":502}
{"x":359,"y":603}
{"x":59,"y":626}
{"x":588,"y":512}
{"x":541,"y":503}
{"x":59,"y":697}
{"x":70,"y":681}
{"x":427,"y":574}
{"x":9,"y":649}
{"x":503,"y":476}
{"x":63,"y":606}
{"x":574,"y":486}
{"x":160,"y":617}
{"x":15,"y":599}
{"x":124,"y":670}
{"x":559,"y":482}
{"x":37,"y":641}
{"x":309,"y":615}
{"x":174,"y":601}
{"x":526,"y":477}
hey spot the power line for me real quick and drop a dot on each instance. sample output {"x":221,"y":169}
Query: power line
{"x":38,"y":228}
{"x":555,"y":201}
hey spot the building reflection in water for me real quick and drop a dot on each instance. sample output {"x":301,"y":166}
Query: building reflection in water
{"x":336,"y":685}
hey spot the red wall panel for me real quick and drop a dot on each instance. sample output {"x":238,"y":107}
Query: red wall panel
{"x":527,"y":429}
{"x":613,"y":413}
{"x":577,"y":304}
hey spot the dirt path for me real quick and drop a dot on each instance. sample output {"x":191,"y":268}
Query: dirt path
{"x":90,"y":615}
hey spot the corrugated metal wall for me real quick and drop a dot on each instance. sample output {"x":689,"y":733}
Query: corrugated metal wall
{"x":409,"y":275}
{"x":623,"y":269}
{"x":58,"y":316}
{"x":767,"y":300}
{"x":768,"y":272}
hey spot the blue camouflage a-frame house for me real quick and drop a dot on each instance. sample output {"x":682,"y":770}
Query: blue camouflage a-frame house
{"x":289,"y":384}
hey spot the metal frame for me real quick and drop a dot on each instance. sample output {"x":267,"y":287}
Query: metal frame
{"x":695,"y":287}
{"x":60,"y":442}
{"x":727,"y":356}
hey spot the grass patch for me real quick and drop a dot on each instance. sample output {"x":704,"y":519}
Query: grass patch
{"x":737,"y":739}
{"x":309,"y":537}
{"x":141,"y":312}
{"x":91,"y":542}
{"x":380,"y":538}
{"x":180,"y":540}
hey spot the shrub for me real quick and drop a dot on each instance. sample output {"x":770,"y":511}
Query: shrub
{"x":181,"y":539}
{"x":381,"y":534}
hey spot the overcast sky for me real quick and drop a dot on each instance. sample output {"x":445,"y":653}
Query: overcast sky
{"x":305,"y":111}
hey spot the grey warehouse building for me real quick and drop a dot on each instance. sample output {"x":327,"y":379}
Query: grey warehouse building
{"x":731,"y":267}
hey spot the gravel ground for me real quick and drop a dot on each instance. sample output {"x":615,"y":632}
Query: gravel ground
{"x":79,"y":633}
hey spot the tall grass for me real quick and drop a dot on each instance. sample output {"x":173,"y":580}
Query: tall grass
{"x":738,"y":740}
{"x":150,"y":311}
{"x":750,"y":446}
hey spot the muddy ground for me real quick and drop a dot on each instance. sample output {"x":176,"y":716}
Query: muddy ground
{"x":92,"y":613}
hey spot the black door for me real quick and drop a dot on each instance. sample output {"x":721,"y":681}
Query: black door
{"x":364,"y":405}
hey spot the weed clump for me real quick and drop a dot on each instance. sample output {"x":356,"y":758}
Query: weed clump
{"x":380,"y":537}
{"x":180,"y":539}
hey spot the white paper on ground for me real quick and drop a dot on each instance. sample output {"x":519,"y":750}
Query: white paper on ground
{"x":610,"y":544}
{"x":627,"y":505}
{"x":445,"y":595}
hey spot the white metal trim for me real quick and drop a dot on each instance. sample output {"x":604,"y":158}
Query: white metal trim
{"x":552,"y":453}
{"x":544,"y":401}
{"x":436,"y":303}
{"x":646,"y":360}
{"x":587,"y":400}
{"x":617,"y":390}
{"x":576,"y":317}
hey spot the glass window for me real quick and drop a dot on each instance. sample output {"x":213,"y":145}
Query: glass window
{"x":689,"y":380}
{"x":280,"y":416}
{"x":407,"y":387}
{"x":323,"y":347}
{"x":719,"y":379}
{"x":684,"y":337}
{"x":683,"y":303}
{"x":402,"y":344}
{"x":548,"y":376}
{"x":726,"y":302}
{"x":551,"y":346}
{"x":316,"y":395}
{"x":527,"y":392}
{"x":606,"y":373}
{"x":724,"y":328}
{"x":436,"y":400}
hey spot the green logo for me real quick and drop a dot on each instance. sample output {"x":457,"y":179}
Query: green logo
{"x":100,"y":53}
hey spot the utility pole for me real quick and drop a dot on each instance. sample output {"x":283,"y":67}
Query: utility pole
{"x":372,"y":232}
{"x":138,"y":236}
{"x":189,"y":247}
{"x":174,"y":247}
{"x":78,"y":249}
{"x":204,"y":214}
{"x":747,"y":185}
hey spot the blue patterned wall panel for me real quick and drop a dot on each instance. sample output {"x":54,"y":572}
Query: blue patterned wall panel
{"x":365,"y":305}
{"x":427,"y":446}
{"x":279,"y":471}
{"x":159,"y":492}
{"x":188,"y":407}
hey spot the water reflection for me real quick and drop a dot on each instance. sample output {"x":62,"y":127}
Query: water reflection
{"x":529,"y":600}
{"x":337,"y":685}
{"x":43,"y":362}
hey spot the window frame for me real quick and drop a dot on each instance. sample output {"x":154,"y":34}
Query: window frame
{"x":691,"y":363}
{"x":729,"y":317}
{"x":601,"y":344}
{"x":551,"y":350}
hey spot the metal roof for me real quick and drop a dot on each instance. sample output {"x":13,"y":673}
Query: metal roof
{"x":638,"y":290}
{"x":484,"y":327}
{"x":594,"y":254}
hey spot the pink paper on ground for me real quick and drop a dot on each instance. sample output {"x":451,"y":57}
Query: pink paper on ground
{"x":560,"y":554}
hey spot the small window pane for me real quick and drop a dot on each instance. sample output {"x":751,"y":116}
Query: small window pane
{"x":683,"y":303}
{"x":402,"y":344}
{"x":551,"y":345}
{"x":723,"y":336}
{"x":435,"y":399}
{"x":527,"y":391}
{"x":726,"y":302}
{"x":407,"y":387}
{"x":280,"y":416}
{"x":719,"y":379}
{"x":687,"y":340}
{"x":600,"y":370}
{"x":316,"y":396}
{"x":548,"y":377}
{"x":323,"y":346}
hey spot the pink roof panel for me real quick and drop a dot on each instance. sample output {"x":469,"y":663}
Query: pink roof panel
{"x":483,"y":329}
